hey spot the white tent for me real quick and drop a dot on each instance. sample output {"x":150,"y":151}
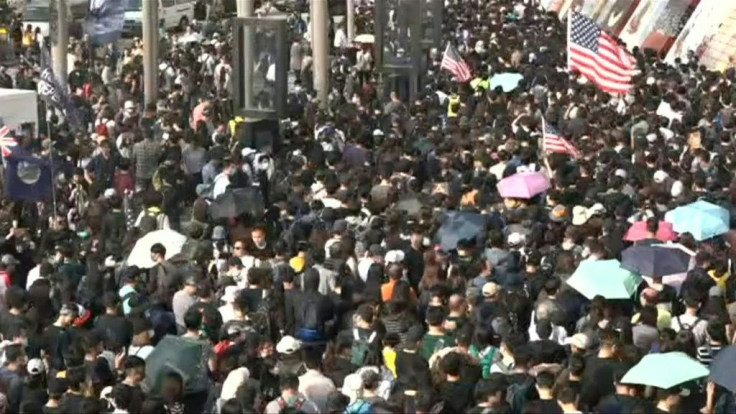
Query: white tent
{"x":18,"y":106}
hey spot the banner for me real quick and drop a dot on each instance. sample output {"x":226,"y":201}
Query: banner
{"x":584,"y":7}
{"x":641,"y":23}
{"x":719,"y":50}
{"x":614,"y":15}
{"x":699,"y":30}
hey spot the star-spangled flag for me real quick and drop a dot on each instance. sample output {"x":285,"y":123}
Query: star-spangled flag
{"x":454,"y":63}
{"x":554,"y":142}
{"x":53,"y":91}
{"x":105,"y":20}
{"x":597,"y":55}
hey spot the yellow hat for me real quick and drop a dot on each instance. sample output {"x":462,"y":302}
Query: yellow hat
{"x":297,"y":263}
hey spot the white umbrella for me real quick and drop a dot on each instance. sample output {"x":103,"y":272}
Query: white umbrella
{"x":141,"y":254}
{"x":192,"y":37}
{"x":365,"y":38}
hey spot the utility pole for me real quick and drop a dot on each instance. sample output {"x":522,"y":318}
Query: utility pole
{"x":351,"y":19}
{"x":319,"y":16}
{"x":150,"y":51}
{"x":245,"y":8}
{"x":60,"y":39}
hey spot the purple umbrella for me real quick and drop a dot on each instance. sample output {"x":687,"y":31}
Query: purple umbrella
{"x":523,"y":185}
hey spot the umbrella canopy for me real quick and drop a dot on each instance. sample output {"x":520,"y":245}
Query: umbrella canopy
{"x":523,"y":185}
{"x":723,"y":368}
{"x":141,"y":254}
{"x":605,"y":278}
{"x":701,"y":218}
{"x":655,"y":260}
{"x":237,"y":201}
{"x":185,"y":357}
{"x":412,"y":204}
{"x":365,"y":38}
{"x":665,"y":370}
{"x":638,"y":231}
{"x":459,"y":225}
{"x":508,"y":81}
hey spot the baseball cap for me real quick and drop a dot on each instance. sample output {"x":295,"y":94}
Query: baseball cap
{"x":231,"y":292}
{"x":35,"y":366}
{"x":490,"y":289}
{"x":394,"y":256}
{"x":579,"y":340}
{"x":288,"y":345}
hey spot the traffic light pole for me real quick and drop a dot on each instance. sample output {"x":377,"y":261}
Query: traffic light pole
{"x":150,"y":51}
{"x":60,"y":40}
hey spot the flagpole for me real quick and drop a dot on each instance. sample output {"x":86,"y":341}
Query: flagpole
{"x":567,"y":46}
{"x":51,"y":158}
{"x":544,"y":152}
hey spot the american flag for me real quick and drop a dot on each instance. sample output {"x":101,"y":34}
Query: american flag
{"x":553,"y":141}
{"x":597,"y":56}
{"x":454,"y":63}
{"x":6,"y":143}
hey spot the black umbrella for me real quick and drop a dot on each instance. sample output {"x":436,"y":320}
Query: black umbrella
{"x":655,"y":260}
{"x":238,"y":201}
{"x":723,"y":368}
{"x":185,"y":357}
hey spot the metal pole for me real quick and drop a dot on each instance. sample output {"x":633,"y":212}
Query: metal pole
{"x":246,"y":8}
{"x":351,"y":19}
{"x":51,"y":159}
{"x":60,"y":41}
{"x":150,"y":51}
{"x":320,"y":49}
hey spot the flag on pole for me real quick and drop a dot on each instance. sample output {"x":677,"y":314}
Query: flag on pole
{"x":597,"y":56}
{"x":454,"y":63}
{"x":27,"y":178}
{"x":53,"y":91}
{"x":105,"y":20}
{"x":553,"y":141}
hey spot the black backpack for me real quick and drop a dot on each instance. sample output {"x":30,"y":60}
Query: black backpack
{"x":310,"y":315}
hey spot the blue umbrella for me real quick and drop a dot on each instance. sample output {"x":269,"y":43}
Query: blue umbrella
{"x":459,"y":225}
{"x":507,"y":81}
{"x":701,"y":219}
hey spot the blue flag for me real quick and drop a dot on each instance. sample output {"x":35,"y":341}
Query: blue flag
{"x":105,"y":21}
{"x":55,"y":93}
{"x":27,"y":178}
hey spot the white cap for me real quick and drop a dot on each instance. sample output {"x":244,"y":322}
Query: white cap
{"x":394,"y":256}
{"x":35,"y":366}
{"x":288,"y":345}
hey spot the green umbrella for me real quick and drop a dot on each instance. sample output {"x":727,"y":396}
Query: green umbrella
{"x":665,"y":370}
{"x":604,"y":277}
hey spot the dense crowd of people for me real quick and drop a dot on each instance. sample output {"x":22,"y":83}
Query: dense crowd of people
{"x":340,"y":295}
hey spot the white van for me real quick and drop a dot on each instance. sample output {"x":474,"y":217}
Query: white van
{"x":171,"y":13}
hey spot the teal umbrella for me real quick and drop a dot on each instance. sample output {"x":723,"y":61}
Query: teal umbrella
{"x":701,"y":219}
{"x":508,"y":81}
{"x":665,"y":370}
{"x":605,"y":278}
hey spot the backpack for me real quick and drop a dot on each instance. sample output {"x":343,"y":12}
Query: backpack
{"x":261,"y":318}
{"x":310,"y":315}
{"x":517,"y":395}
{"x":360,"y":348}
{"x":688,"y":327}
{"x":359,"y":407}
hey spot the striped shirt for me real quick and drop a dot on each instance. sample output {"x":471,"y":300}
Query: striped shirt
{"x":707,"y":352}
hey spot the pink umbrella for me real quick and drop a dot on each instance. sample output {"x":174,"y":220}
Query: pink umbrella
{"x":638,"y":231}
{"x":523,"y":185}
